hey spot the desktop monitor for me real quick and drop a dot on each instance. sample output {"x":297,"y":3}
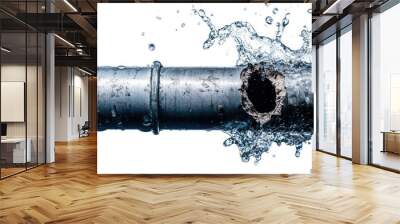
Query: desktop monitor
{"x":3,"y":129}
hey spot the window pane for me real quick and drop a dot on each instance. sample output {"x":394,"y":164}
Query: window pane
{"x":41,"y":98}
{"x":346,"y":94}
{"x":22,"y":89}
{"x":31,"y":97}
{"x":327,"y":96}
{"x":385,"y":84}
{"x":13,"y":86}
{"x":314,"y":79}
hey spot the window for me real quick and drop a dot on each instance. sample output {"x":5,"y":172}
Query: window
{"x":385,"y":89}
{"x":346,"y":93}
{"x":22,"y":88}
{"x":327,"y":96}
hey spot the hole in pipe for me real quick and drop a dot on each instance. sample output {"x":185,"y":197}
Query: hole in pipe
{"x":261,"y":92}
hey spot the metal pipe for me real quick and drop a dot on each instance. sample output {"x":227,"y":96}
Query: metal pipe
{"x":155,"y":98}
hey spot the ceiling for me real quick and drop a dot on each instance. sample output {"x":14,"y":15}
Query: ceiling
{"x":75,"y":22}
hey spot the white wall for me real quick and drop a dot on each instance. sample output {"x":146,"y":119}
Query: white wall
{"x":70,"y":84}
{"x":80,"y":104}
{"x":12,"y":73}
{"x":61,"y":103}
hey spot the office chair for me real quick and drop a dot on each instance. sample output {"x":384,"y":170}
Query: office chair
{"x":84,"y":130}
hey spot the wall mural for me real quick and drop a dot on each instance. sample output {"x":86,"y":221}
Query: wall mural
{"x":168,"y":73}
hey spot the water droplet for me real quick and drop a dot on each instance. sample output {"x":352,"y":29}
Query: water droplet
{"x":152,"y":47}
{"x":275,"y":10}
{"x":298,"y":150}
{"x":143,"y":34}
{"x":147,"y":121}
{"x":177,"y":11}
{"x":245,"y":158}
{"x":183,"y":25}
{"x":269,"y":20}
{"x":113,"y":112}
{"x":244,"y":9}
{"x":229,"y":142}
{"x":158,"y":17}
{"x":297,"y":154}
{"x":304,"y":33}
{"x":285,"y":20}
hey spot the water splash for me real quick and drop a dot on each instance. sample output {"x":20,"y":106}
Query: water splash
{"x":281,"y":27}
{"x":269,"y":20}
{"x":152,"y":47}
{"x":285,"y":20}
{"x":253,"y":48}
{"x":294,"y":126}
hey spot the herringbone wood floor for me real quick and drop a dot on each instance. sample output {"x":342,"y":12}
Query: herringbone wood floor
{"x":70,"y":191}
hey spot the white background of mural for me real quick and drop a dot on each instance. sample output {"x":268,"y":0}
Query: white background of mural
{"x":124,"y":34}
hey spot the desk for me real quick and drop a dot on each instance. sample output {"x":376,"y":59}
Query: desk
{"x":15,"y":148}
{"x":391,"y":141}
